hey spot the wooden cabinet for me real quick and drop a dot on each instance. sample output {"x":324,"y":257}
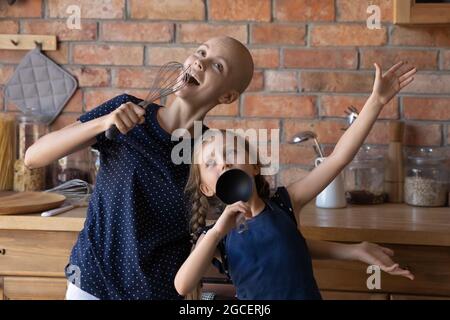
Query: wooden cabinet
{"x":34,"y":288}
{"x":32,"y":263}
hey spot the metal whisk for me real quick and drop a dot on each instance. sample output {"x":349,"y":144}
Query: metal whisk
{"x":171,"y":77}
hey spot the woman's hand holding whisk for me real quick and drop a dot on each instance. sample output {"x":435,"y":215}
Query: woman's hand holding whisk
{"x":126,"y":117}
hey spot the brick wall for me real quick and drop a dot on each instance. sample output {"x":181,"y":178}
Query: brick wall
{"x":313,"y":59}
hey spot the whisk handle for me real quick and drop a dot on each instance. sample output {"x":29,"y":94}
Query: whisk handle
{"x":112,"y":132}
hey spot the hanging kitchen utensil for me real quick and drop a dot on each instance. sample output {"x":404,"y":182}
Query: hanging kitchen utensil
{"x":39,"y":86}
{"x":232,"y":186}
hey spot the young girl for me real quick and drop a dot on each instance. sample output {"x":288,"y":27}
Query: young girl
{"x":272,"y":260}
{"x":136,"y":234}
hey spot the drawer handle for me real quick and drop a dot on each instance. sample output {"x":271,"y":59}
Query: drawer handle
{"x":2,"y":252}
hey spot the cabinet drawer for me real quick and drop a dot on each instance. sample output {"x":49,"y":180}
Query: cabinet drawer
{"x":430,"y":266}
{"x":35,"y":253}
{"x":34,"y":288}
{"x":413,"y":297}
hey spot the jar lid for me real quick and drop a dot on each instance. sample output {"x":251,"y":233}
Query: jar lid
{"x":426,"y":156}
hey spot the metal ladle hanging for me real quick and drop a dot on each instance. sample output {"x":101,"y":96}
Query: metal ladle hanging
{"x":308,"y":135}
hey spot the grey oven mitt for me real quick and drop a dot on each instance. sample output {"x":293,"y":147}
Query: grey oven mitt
{"x":40,"y":87}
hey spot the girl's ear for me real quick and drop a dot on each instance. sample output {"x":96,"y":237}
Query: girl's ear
{"x":229,"y":97}
{"x":207,"y":191}
{"x":256,"y":169}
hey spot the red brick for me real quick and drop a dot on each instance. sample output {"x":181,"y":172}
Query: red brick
{"x":347,"y":35}
{"x":321,"y":58}
{"x":297,"y":154}
{"x":351,"y":10}
{"x":244,"y":124}
{"x":100,"y":9}
{"x":201,"y":32}
{"x":108,"y":54}
{"x":9,"y":26}
{"x":60,"y":56}
{"x":160,"y":55}
{"x":11,"y":56}
{"x":288,"y":176}
{"x":5,"y":73}
{"x":379,"y":134}
{"x":91,"y":76}
{"x":287,"y":106}
{"x":167,"y":9}
{"x":423,"y":134}
{"x":269,"y":33}
{"x":131,"y":31}
{"x":426,"y":108}
{"x":328,"y":131}
{"x":96,"y":97}
{"x":75,"y":104}
{"x":59,"y":28}
{"x":336,"y":82}
{"x":335,"y":106}
{"x":281,"y":80}
{"x":435,"y":36}
{"x":429,"y":83}
{"x":446,"y":59}
{"x":21,"y":9}
{"x":134,"y":77}
{"x":237,"y":10}
{"x":304,"y":10}
{"x":231,"y":109}
{"x":265,"y":57}
{"x":257,"y":83}
{"x":421,"y":59}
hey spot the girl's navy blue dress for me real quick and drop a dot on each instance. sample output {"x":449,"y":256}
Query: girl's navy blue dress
{"x":136,"y":235}
{"x":270,"y":260}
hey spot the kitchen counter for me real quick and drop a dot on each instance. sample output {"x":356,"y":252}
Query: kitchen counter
{"x":34,"y":251}
{"x":385,"y":223}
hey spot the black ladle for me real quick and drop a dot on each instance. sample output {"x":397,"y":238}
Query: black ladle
{"x":232,"y":186}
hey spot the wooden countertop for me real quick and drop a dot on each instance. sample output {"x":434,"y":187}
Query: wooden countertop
{"x":385,"y":223}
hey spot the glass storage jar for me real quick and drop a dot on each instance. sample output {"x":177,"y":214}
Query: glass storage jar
{"x":30,"y":128}
{"x":364,"y":177}
{"x":426,"y":179}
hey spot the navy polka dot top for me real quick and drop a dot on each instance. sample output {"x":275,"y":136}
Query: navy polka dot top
{"x":136,"y":234}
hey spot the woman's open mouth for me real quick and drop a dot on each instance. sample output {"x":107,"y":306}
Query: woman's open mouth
{"x":191,"y":80}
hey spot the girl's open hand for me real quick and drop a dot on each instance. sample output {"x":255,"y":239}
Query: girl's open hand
{"x":227,"y":219}
{"x":387,"y":85}
{"x":374,"y":254}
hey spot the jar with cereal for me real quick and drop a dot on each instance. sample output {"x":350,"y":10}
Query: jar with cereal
{"x":426,"y":179}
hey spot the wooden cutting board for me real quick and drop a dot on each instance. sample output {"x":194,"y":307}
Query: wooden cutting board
{"x":29,"y":202}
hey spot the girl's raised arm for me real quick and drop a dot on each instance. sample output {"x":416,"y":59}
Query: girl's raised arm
{"x":385,"y":87}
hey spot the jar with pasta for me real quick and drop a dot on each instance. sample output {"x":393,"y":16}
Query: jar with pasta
{"x":7,"y":151}
{"x":426,"y":179}
{"x":29,"y":129}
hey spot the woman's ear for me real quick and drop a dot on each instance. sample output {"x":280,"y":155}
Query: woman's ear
{"x":229,"y":97}
{"x":207,"y":191}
